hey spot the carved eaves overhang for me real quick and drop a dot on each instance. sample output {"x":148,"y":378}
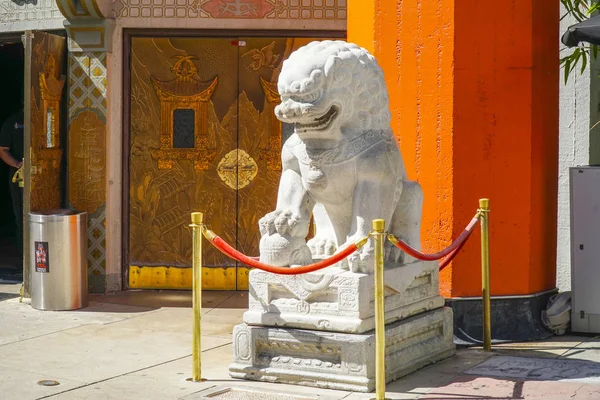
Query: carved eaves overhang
{"x":88,"y":23}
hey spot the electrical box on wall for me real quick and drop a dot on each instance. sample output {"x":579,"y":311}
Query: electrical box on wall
{"x":585,"y":249}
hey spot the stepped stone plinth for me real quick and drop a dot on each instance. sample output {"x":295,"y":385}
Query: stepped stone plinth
{"x":317,"y":329}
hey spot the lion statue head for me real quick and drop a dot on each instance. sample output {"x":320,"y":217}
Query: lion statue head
{"x":332,"y":89}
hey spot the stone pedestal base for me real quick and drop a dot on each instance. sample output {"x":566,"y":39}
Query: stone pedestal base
{"x":343,"y":361}
{"x":335,"y":300}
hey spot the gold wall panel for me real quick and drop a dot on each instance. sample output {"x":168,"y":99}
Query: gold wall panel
{"x":87,"y":161}
{"x":47,"y":83}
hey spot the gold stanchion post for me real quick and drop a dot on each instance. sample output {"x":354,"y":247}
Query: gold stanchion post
{"x":197,"y":225}
{"x":484,"y":212}
{"x":379,"y":241}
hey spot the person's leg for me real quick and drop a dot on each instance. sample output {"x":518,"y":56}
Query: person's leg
{"x":16,"y":194}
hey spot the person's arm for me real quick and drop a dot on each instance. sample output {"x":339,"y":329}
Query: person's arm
{"x":8,"y":158}
{"x":6,"y":142}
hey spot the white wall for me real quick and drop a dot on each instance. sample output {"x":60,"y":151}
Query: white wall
{"x":573,"y":150}
{"x":18,"y":16}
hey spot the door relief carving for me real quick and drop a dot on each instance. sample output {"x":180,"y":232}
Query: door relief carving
{"x":237,"y":169}
{"x":272,"y":153}
{"x":186,"y":94}
{"x":51,"y":87}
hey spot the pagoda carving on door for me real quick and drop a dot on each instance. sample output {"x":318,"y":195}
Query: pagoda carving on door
{"x":185,"y":97}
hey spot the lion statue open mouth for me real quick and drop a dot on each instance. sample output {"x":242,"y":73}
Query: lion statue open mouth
{"x":342,"y":164}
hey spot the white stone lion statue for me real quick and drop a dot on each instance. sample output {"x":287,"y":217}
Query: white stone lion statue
{"x":342,"y":164}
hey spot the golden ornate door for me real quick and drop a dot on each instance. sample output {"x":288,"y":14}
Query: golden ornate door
{"x":181,"y":95}
{"x":203,"y":137}
{"x":44,"y":87}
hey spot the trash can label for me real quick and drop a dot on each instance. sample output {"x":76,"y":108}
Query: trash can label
{"x":42,"y":260}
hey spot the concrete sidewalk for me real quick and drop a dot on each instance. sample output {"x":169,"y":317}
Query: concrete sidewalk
{"x":137,"y":345}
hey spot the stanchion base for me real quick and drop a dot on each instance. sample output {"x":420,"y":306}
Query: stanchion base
{"x":192,"y":380}
{"x":342,"y":361}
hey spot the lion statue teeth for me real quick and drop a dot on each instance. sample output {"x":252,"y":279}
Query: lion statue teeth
{"x":342,"y":165}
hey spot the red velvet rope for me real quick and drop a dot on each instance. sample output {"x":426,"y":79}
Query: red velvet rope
{"x":225,"y":248}
{"x":449,"y":253}
{"x":452,"y":249}
{"x":444,"y":263}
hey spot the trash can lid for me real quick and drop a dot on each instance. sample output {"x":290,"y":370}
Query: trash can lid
{"x":57,"y":214}
{"x":55,"y":211}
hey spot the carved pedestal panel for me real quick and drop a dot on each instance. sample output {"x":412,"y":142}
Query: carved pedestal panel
{"x":340,"y":361}
{"x":340,"y":301}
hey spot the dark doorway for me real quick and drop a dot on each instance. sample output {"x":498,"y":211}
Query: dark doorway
{"x":11,"y":101}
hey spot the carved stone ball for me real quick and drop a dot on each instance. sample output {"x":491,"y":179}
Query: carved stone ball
{"x":276,"y":249}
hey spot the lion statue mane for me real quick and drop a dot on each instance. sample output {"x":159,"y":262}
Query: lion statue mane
{"x":342,"y":165}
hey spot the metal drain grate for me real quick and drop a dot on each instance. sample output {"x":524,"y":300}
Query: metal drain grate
{"x":238,"y":393}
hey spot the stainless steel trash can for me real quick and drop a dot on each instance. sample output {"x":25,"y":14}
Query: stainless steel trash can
{"x":58,"y":254}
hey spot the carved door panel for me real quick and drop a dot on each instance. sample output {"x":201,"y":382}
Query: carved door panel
{"x":260,"y":136}
{"x":44,"y":82}
{"x":45,"y":67}
{"x":259,"y":139}
{"x":183,"y":99}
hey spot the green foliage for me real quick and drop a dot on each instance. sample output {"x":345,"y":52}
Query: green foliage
{"x":580,"y":10}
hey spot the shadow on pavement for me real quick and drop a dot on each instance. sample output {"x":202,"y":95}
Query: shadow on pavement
{"x":155,"y":299}
{"x":9,"y":290}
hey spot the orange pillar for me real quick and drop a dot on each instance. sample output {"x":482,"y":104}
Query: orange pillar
{"x":474,"y":97}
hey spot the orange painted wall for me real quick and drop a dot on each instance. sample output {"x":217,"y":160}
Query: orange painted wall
{"x":414,"y":42}
{"x":474,"y":97}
